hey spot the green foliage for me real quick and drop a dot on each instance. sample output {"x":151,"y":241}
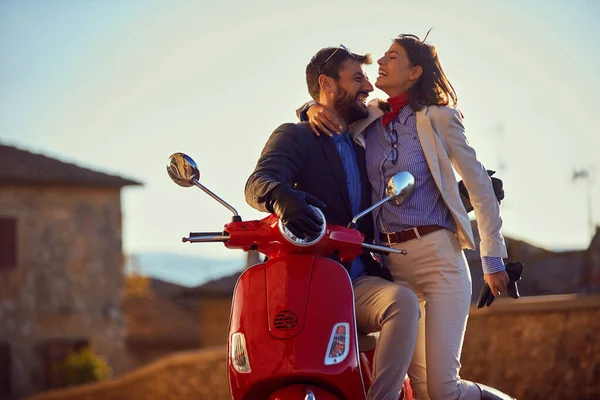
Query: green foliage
{"x":83,"y":366}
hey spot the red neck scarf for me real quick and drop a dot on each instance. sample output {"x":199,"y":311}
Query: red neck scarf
{"x":396,"y":103}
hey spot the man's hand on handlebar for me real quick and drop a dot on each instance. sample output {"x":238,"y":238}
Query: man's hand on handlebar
{"x":292,"y":207}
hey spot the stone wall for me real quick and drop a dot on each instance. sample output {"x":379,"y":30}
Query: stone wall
{"x":544,"y":347}
{"x":68,"y":282}
{"x":191,"y":375}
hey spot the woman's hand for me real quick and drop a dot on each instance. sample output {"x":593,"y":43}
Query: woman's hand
{"x":322,"y":120}
{"x":497,"y":282}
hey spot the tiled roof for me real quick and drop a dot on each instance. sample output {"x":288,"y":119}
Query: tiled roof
{"x":21,"y":167}
{"x":165,"y":289}
{"x":160,"y":321}
{"x":222,"y":287}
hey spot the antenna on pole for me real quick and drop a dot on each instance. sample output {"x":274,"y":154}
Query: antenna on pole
{"x":499,"y":129}
{"x":586,"y":174}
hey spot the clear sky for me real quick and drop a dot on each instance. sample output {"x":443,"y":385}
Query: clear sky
{"x":120,"y":85}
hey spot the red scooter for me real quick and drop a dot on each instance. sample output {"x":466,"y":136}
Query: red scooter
{"x":292,"y":330}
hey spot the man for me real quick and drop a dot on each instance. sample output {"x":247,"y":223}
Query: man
{"x":297,"y":169}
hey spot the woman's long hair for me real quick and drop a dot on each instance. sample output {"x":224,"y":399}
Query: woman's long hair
{"x":433,"y":87}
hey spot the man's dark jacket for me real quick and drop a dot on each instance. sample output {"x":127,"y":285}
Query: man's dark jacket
{"x":294,"y":155}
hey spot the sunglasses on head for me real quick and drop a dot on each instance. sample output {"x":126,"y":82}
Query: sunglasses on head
{"x":409,"y":36}
{"x":341,"y":46}
{"x":414,"y":37}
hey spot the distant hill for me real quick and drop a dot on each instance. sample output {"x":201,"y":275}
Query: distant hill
{"x":186,"y":270}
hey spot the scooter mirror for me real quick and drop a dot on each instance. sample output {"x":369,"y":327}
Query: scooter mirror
{"x":399,"y":187}
{"x":182,"y":169}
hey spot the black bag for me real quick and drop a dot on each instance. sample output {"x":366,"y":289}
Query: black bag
{"x":496,"y":184}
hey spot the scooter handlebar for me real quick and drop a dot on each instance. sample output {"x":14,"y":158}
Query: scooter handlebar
{"x":206,"y":237}
{"x":383,"y":249}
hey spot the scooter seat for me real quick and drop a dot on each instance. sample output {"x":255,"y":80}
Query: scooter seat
{"x":367,"y":342}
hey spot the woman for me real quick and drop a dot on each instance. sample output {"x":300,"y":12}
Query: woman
{"x":422,"y":133}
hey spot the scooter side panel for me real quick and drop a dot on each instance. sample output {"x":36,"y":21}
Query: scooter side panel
{"x":287,"y":290}
{"x":275,"y":361}
{"x":331,"y":301}
{"x":249,"y":296}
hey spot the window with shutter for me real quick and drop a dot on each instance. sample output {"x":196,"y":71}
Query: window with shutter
{"x":5,"y":370}
{"x":8,"y":242}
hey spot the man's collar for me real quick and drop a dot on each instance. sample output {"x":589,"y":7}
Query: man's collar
{"x":374,"y":113}
{"x":344,"y":136}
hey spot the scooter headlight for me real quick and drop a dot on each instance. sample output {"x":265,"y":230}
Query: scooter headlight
{"x":339,"y":344}
{"x":239,"y":354}
{"x":290,"y":237}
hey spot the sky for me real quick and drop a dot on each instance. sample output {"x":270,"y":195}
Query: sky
{"x":118,"y":86}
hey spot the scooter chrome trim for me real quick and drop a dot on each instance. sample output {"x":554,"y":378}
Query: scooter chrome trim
{"x":293,"y":239}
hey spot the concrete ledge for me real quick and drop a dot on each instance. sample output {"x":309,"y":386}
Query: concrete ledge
{"x":538,"y":304}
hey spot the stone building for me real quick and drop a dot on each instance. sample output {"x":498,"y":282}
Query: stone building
{"x":61,"y":268}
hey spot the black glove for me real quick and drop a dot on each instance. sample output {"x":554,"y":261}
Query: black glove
{"x":514,"y":271}
{"x":293,"y":209}
{"x":496,"y":184}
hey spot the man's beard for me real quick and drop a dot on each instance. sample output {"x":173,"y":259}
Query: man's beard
{"x":345,"y":104}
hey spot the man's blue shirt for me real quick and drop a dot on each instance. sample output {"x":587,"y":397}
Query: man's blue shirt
{"x":343,"y":144}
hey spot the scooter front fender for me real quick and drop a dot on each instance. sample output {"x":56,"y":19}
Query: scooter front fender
{"x":303,"y":392}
